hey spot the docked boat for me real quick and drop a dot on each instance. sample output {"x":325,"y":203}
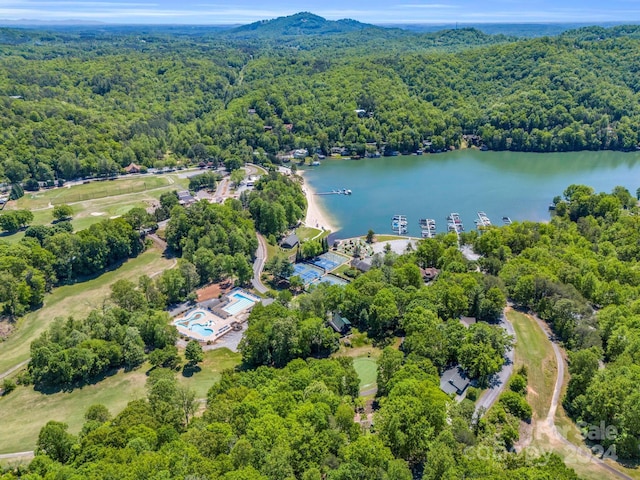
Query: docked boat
{"x":455,"y":223}
{"x":483,"y":220}
{"x":315,"y":163}
{"x":399,"y":224}
{"x":506,"y":220}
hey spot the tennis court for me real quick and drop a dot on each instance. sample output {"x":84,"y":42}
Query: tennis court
{"x":308,"y":273}
{"x":330,"y":279}
{"x":328,"y":261}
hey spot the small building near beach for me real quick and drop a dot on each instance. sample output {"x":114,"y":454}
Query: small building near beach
{"x":290,"y":241}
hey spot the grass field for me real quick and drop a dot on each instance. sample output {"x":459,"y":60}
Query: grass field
{"x":214,"y":363}
{"x":89,"y":191}
{"x":534,"y":350}
{"x":25,"y":411}
{"x":367,"y":369}
{"x":96,"y":201}
{"x":77,"y":300}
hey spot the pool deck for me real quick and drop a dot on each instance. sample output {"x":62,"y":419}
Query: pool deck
{"x":220,"y":326}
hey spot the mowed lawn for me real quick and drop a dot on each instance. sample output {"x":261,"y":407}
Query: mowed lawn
{"x":24,"y":411}
{"x":367,"y":370}
{"x":95,"y":201}
{"x":89,"y":191}
{"x":77,"y":300}
{"x":534,"y":350}
{"x":214,"y":363}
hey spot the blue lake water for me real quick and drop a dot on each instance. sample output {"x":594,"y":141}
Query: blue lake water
{"x":517,"y":185}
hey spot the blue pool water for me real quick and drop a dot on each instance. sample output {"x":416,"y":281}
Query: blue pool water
{"x":241,"y":303}
{"x":201,"y":329}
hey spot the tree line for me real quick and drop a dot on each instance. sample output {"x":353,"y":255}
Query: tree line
{"x":158,"y":107}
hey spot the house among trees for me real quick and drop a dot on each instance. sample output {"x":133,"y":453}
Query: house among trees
{"x":339,"y":323}
{"x":454,"y":380}
{"x":132,"y":168}
{"x":185,"y":198}
{"x":429,"y":274}
{"x":290,"y":241}
{"x":362,"y":265}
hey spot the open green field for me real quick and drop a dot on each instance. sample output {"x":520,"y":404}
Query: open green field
{"x":77,"y":299}
{"x":89,"y":191}
{"x":534,"y":350}
{"x":24,"y":411}
{"x":214,"y":363}
{"x":96,"y":201}
{"x":367,"y":369}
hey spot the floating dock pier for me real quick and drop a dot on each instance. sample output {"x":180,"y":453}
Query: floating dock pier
{"x":483,"y":220}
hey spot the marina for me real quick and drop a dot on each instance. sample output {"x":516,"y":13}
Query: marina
{"x":516,"y":184}
{"x":399,"y":224}
{"x":427,"y":227}
{"x":344,"y":191}
{"x":454,"y":223}
{"x":483,"y":220}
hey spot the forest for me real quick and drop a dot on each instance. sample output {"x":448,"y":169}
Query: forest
{"x":578,"y":273}
{"x":74,"y":105}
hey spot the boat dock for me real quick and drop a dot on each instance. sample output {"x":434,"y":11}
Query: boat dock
{"x":454,"y":223}
{"x":344,"y":191}
{"x":427,"y":227}
{"x":483,"y":220}
{"x":399,"y":224}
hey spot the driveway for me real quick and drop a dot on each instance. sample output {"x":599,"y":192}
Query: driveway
{"x":258,"y":265}
{"x":499,"y":380}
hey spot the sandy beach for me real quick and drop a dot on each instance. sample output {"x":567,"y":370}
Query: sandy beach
{"x":316,"y":216}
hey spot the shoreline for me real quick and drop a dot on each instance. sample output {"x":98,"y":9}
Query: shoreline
{"x":316,"y":216}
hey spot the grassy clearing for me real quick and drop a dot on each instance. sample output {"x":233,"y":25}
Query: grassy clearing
{"x":76,"y":300}
{"x":96,"y":201}
{"x":25,"y":411}
{"x":534,"y":350}
{"x":367,"y":369}
{"x":307,"y":233}
{"x":89,"y":191}
{"x":214,"y":363}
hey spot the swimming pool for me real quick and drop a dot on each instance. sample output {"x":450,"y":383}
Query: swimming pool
{"x":197,"y":321}
{"x":201,"y":330}
{"x":242,"y":302}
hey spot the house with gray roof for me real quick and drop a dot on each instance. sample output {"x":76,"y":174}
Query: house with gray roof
{"x":454,"y":380}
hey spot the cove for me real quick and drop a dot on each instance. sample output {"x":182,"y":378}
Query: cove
{"x":514,"y":184}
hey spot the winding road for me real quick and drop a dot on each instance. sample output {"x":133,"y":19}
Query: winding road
{"x":500,"y":380}
{"x":258,"y":265}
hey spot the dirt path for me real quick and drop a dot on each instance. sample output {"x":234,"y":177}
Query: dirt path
{"x":14,"y":368}
{"x":24,"y":455}
{"x":547,"y":429}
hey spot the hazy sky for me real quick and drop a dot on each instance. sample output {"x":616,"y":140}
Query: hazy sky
{"x":373,"y":11}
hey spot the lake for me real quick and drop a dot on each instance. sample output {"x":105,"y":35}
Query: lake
{"x":517,"y":185}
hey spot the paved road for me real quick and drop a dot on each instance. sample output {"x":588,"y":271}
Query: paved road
{"x":258,"y":265}
{"x":549,"y":427}
{"x":500,"y":380}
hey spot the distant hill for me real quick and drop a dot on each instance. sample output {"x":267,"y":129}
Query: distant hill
{"x":303,"y":23}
